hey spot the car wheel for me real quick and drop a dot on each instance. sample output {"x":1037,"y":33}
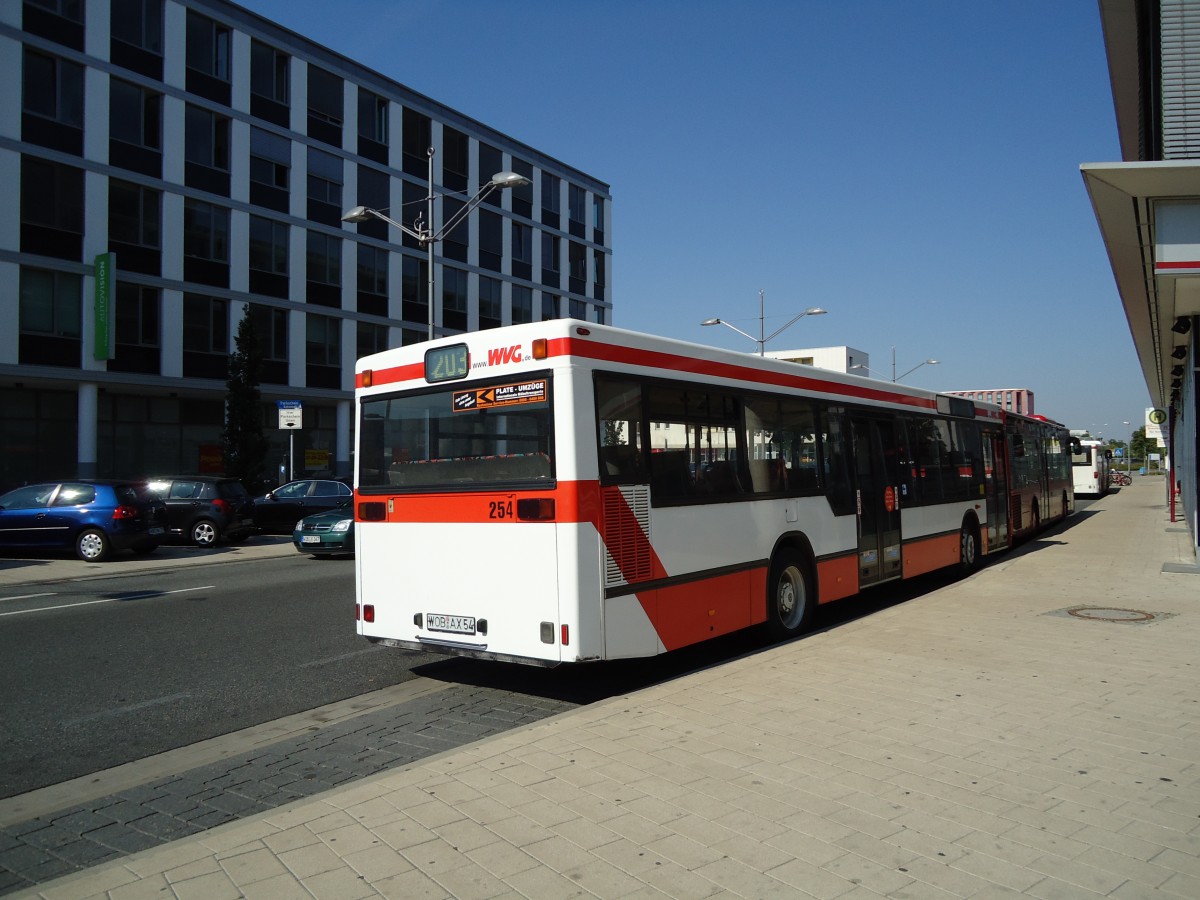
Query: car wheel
{"x":205,"y":533}
{"x":92,"y":545}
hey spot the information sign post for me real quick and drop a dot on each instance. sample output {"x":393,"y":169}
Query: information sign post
{"x":291,"y":420}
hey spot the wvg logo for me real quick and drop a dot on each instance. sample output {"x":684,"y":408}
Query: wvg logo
{"x":501,"y":355}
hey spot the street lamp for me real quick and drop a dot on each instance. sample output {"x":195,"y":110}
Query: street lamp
{"x":1129,"y":452}
{"x":422,"y":231}
{"x":928,"y":362}
{"x":762,"y":339}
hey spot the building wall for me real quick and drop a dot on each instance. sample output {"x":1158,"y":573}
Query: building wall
{"x":219,"y":179}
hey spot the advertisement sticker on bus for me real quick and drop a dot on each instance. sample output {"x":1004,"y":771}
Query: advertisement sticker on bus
{"x":501,"y":395}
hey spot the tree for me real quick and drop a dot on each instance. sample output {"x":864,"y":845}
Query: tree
{"x":243,"y":441}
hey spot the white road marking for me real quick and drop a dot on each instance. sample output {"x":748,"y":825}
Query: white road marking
{"x":136,"y":596}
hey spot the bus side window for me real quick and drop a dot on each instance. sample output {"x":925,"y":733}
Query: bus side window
{"x":838,"y":487}
{"x":619,"y":430}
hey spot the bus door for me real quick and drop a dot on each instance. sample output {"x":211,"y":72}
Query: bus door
{"x":877,"y":498}
{"x":995,"y":489}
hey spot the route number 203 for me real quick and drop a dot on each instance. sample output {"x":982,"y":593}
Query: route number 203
{"x":500,"y":509}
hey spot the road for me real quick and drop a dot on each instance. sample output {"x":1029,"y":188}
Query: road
{"x":98,"y":672}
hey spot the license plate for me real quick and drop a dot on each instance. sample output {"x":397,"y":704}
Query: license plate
{"x":156,"y":530}
{"x":310,"y":539}
{"x":452,"y":624}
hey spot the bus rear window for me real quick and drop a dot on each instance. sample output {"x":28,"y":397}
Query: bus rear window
{"x":487,"y":434}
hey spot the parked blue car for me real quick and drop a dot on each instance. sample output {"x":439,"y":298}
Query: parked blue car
{"x":92,"y":517}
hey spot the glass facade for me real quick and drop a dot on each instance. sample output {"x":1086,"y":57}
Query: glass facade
{"x":207,"y":226}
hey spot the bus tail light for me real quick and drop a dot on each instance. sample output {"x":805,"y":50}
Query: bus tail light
{"x":368,"y":612}
{"x":566,"y":636}
{"x":539,"y":348}
{"x":536,"y":509}
{"x":373,"y":511}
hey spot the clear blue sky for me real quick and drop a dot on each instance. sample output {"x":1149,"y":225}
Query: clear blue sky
{"x":913,"y":167}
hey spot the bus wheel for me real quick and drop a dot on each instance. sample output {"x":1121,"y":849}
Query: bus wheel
{"x":791,"y":600}
{"x":968,"y":548}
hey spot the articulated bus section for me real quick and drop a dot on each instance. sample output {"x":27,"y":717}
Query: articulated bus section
{"x":564,"y":492}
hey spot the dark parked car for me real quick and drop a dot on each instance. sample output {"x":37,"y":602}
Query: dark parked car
{"x":329,"y":533}
{"x":93,"y":517}
{"x":276,"y":511}
{"x":205,"y":508}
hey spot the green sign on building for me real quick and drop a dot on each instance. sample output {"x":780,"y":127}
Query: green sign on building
{"x":106,"y":273}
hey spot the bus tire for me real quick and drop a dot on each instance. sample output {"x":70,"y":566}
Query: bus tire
{"x":790,"y":598}
{"x":968,"y":547}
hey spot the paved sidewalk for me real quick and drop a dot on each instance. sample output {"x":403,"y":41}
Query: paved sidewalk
{"x":990,"y":738}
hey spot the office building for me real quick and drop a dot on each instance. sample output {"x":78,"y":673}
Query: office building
{"x":174,"y":166}
{"x":1148,"y":209}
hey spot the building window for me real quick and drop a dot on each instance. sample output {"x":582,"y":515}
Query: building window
{"x":50,"y":319}
{"x":205,"y":336}
{"x":549,"y":306}
{"x":205,"y":243}
{"x":598,"y":219}
{"x":135,"y":225}
{"x":491,"y":310}
{"x":578,"y":310}
{"x":325,"y":106}
{"x":522,"y":251}
{"x":491,"y":162}
{"x":456,"y":243}
{"x":456,"y":159}
{"x":134,"y":128}
{"x":270,"y":164}
{"x":138,"y":330}
{"x":50,"y":303}
{"x":51,"y":209}
{"x":325,"y":176}
{"x":576,"y":210}
{"x":270,"y":83}
{"x":599,"y":265}
{"x":522,"y":194}
{"x":372,"y":126}
{"x":60,"y":21}
{"x":418,"y":138}
{"x":324,"y":269}
{"x":414,"y":292}
{"x":577,"y":267}
{"x":372,"y":280}
{"x":371,"y":338}
{"x":268,"y":257}
{"x":373,"y":191}
{"x":271,"y":328}
{"x":491,"y":240}
{"x":138,"y":23}
{"x":550,"y":262}
{"x":522,"y":304}
{"x":323,"y":350}
{"x":207,"y":58}
{"x":206,"y":151}
{"x":52,"y":102}
{"x":454,"y":299}
{"x":551,"y":214}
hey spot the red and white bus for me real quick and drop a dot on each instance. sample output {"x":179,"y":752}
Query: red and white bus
{"x":564,"y":492}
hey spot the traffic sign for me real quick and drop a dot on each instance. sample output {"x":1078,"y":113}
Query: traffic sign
{"x":291,"y":415}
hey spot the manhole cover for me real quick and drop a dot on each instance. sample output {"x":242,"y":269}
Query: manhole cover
{"x":1110,"y":614}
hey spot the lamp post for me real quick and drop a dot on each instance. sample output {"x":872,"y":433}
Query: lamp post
{"x":1129,"y":451}
{"x":762,"y":338}
{"x":895,"y":377}
{"x":422,"y":231}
